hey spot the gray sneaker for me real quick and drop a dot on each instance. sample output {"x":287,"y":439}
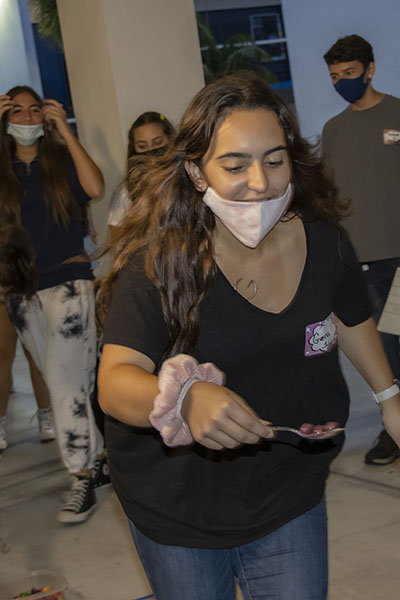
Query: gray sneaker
{"x":46,"y":425}
{"x":3,"y":437}
{"x":80,"y":501}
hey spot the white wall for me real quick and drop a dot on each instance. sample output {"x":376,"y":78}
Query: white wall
{"x":18,"y":63}
{"x":312,"y":26}
{"x":151,"y":44}
{"x":124,"y":57}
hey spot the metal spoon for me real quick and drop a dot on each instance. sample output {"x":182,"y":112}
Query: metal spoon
{"x":314,"y":435}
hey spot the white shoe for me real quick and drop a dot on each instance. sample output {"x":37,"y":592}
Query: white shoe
{"x":3,"y":438}
{"x":46,"y":426}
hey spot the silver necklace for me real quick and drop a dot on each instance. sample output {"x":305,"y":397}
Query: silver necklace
{"x":251,"y":283}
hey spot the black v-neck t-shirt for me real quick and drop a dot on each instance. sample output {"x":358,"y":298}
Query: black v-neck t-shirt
{"x":284,"y":365}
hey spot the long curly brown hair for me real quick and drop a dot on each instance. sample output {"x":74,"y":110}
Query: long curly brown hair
{"x":170,"y":225}
{"x":18,"y":273}
{"x":53,"y":165}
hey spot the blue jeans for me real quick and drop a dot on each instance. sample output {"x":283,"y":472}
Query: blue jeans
{"x":290,"y":563}
{"x":379,"y":278}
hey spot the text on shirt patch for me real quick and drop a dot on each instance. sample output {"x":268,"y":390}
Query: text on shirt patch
{"x":321,"y":336}
{"x":391,"y":136}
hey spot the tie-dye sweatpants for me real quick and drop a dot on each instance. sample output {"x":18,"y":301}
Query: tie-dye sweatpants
{"x":57,"y":326}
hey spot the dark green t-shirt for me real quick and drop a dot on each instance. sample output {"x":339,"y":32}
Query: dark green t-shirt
{"x":361,"y":149}
{"x":284,"y":365}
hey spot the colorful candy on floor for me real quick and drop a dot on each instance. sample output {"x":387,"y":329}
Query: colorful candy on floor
{"x":57,"y":596}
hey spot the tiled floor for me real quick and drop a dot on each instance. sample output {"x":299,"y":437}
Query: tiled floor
{"x":98,"y":558}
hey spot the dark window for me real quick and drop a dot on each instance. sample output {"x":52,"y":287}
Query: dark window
{"x":265,"y":26}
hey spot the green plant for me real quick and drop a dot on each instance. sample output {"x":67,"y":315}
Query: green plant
{"x":239,"y":52}
{"x":48,"y":22}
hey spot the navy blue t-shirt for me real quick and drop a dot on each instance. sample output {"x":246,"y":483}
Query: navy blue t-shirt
{"x":52,"y":242}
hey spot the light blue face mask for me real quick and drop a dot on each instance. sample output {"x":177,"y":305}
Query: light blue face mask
{"x":352,"y":89}
{"x":26,"y":135}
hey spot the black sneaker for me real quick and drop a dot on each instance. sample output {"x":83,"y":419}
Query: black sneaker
{"x":101,"y":473}
{"x":383,"y":452}
{"x":80,"y":503}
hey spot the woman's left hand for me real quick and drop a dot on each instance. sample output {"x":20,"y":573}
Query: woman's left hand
{"x":53,"y":112}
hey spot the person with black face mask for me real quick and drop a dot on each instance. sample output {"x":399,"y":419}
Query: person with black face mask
{"x":149,"y":135}
{"x":361,"y":151}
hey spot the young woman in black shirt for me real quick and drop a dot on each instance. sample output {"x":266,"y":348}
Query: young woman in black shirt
{"x":233,"y":287}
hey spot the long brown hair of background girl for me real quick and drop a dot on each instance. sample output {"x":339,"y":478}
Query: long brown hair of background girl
{"x":53,"y":165}
{"x":170,"y":224}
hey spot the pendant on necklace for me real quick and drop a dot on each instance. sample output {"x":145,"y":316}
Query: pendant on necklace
{"x":251,"y":283}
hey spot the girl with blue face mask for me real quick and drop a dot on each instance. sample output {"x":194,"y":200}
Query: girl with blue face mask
{"x":47,"y":180}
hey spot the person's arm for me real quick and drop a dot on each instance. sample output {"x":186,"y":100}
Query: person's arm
{"x":363,"y":347}
{"x":217,"y":417}
{"x":89,"y":175}
{"x":126,"y":384}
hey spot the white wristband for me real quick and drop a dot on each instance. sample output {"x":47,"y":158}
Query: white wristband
{"x":185,"y":388}
{"x":386,"y":394}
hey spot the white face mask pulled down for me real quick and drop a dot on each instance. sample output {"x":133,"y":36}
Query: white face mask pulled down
{"x":249,"y":222}
{"x":26,"y":135}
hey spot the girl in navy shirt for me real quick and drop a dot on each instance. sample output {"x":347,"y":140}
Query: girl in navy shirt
{"x":47,"y":179}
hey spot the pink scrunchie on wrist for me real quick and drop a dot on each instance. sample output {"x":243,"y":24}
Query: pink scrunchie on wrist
{"x":174,"y":374}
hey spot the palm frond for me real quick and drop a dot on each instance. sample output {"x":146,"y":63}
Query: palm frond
{"x":48,"y":21}
{"x":245,"y":54}
{"x":205,"y":34}
{"x":238,"y":52}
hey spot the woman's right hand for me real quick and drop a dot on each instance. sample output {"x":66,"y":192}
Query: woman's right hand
{"x":5,"y":104}
{"x":218,"y":418}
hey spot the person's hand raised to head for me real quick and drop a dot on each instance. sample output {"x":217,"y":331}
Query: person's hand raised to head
{"x":5,"y":104}
{"x":54,"y":112}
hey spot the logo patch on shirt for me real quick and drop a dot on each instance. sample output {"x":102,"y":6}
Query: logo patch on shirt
{"x":321,"y":337}
{"x":391,"y":136}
